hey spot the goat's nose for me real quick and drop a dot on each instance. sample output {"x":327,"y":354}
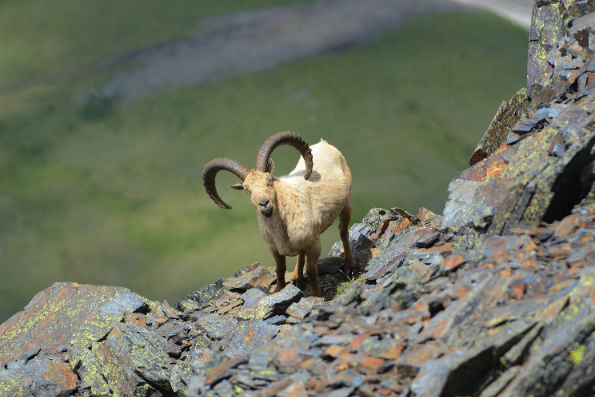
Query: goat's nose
{"x":263,"y":202}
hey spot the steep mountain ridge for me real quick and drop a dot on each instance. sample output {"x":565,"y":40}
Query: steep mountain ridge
{"x":495,"y":297}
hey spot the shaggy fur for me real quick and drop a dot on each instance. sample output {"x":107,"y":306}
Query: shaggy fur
{"x":293,"y":211}
{"x":303,"y":210}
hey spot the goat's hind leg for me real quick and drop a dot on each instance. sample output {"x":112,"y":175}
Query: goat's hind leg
{"x":297,"y":278}
{"x":313,"y":253}
{"x":345,"y":218}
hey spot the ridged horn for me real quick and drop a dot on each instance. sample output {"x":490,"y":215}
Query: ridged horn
{"x":284,"y":138}
{"x":210,"y":172}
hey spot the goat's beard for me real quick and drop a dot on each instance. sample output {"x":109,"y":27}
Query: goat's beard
{"x":267,"y":212}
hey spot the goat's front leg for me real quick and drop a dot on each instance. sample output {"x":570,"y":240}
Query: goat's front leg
{"x":298,"y":274}
{"x":280,"y":270}
{"x":313,"y":254}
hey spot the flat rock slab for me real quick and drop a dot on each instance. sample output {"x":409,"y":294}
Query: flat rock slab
{"x":260,"y":276}
{"x":274,"y":304}
{"x":34,"y":341}
{"x":41,"y":377}
{"x":56,"y":314}
{"x":249,"y":336}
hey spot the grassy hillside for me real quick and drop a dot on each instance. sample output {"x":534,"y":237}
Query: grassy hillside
{"x":114,"y":196}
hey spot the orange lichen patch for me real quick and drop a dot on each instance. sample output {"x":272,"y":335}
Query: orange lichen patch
{"x":502,"y":148}
{"x":335,"y":350}
{"x":554,"y":309}
{"x":357,"y":342}
{"x":61,"y":374}
{"x":399,"y":225}
{"x":445,"y":249}
{"x":519,"y":290}
{"x":493,"y":166}
{"x":371,"y":363}
{"x":213,"y":375}
{"x":391,"y":354}
{"x":567,"y":225}
{"x":161,"y":319}
{"x":344,"y":358}
{"x":418,"y":355}
{"x":453,"y":262}
{"x":494,"y":331}
{"x":316,"y":384}
{"x":561,"y":285}
{"x":496,"y":169}
{"x":531,"y":264}
{"x":461,"y":291}
{"x":320,"y":329}
{"x":285,"y":356}
{"x":505,"y":272}
{"x":423,"y":213}
{"x":576,"y":268}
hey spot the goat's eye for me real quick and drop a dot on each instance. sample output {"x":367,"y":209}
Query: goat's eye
{"x":248,"y":191}
{"x":270,"y":183}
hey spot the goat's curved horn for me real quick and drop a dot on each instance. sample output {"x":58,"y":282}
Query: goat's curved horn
{"x":284,"y":138}
{"x":210,"y":172}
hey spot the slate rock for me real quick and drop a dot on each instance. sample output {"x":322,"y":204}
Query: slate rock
{"x":471,"y":203}
{"x":63,"y":314}
{"x":499,"y":384}
{"x":506,"y":117}
{"x":202,"y":298}
{"x":217,"y":327}
{"x":548,"y":368}
{"x":301,"y":309}
{"x":130,"y":357}
{"x":273,"y":304}
{"x":362,"y":234}
{"x":248,"y":336}
{"x":258,"y":276}
{"x":330,"y":265}
{"x":39,"y":377}
{"x":252,"y":297}
{"x":39,"y":325}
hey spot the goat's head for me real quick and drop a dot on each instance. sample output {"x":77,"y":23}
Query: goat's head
{"x":258,"y":183}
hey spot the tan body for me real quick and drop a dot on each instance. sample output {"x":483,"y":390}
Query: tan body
{"x":306,"y":208}
{"x":294,"y":210}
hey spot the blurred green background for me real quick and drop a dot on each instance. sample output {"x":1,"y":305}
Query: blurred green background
{"x":112,"y":194}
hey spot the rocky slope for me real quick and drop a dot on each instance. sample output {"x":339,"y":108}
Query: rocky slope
{"x":495,"y":297}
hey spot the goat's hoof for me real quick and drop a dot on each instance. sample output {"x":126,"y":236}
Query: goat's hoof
{"x":316,"y":293}
{"x":350,"y":273}
{"x":300,"y":283}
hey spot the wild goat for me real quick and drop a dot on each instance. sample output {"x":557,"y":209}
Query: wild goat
{"x":294,"y":210}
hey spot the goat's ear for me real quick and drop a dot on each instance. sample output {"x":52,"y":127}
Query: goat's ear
{"x":237,"y":186}
{"x":271,"y":166}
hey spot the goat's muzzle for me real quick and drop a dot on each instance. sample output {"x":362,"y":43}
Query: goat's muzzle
{"x":265,"y":207}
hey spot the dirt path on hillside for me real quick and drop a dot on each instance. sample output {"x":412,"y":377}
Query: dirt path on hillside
{"x":261,"y":39}
{"x":517,"y":11}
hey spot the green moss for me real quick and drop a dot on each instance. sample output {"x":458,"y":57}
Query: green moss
{"x":577,"y":355}
{"x":586,"y":280}
{"x":341,"y":288}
